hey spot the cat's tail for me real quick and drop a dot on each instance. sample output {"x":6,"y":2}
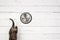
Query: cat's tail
{"x":12,"y":22}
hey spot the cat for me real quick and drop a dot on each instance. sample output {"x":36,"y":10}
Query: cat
{"x":13,"y":31}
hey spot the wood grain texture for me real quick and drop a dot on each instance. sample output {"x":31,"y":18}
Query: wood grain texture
{"x":45,"y":24}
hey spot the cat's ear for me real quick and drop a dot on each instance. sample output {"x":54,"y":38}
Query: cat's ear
{"x":16,"y":27}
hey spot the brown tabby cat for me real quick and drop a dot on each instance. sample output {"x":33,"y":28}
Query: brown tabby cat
{"x":13,"y":31}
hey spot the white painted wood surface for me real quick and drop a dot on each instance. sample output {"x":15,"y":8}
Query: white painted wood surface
{"x":45,"y":24}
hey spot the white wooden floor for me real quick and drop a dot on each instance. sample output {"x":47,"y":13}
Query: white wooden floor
{"x":45,"y":24}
